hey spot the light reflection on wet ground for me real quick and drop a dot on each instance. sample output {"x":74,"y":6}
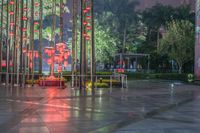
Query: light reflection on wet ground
{"x":144,"y":103}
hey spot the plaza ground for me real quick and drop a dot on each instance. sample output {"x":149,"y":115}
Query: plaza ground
{"x":147,"y":106}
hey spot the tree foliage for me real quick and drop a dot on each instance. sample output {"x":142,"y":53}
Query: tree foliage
{"x":106,"y":45}
{"x":178,"y":42}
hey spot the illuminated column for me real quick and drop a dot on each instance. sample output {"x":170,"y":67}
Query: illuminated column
{"x":197,"y":46}
{"x":36,"y":24}
{"x":12,"y":14}
{"x":16,"y":41}
{"x":62,"y":5}
{"x":22,"y":30}
{"x":74,"y":40}
{"x":87,"y":39}
{"x":23,"y":38}
{"x":7,"y":44}
{"x":40,"y":36}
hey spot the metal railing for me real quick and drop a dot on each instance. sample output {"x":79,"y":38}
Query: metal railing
{"x":75,"y":80}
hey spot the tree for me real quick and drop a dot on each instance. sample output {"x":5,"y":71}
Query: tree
{"x":121,"y":17}
{"x":155,"y":17}
{"x":105,"y":45}
{"x":178,"y":42}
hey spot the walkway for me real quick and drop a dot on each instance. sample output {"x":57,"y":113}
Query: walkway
{"x":146,"y":107}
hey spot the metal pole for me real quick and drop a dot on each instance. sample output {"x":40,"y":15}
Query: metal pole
{"x":7,"y":47}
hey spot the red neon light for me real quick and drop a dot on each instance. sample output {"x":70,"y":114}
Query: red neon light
{"x":11,"y":13}
{"x":24,"y":38}
{"x":25,"y":8}
{"x":12,"y":23}
{"x":85,"y":11}
{"x":23,"y":50}
{"x":36,"y":54}
{"x":24,"y":18}
{"x":36,"y":23}
{"x":49,"y":61}
{"x":11,"y":33}
{"x":87,"y":38}
{"x":59,"y":69}
{"x":31,"y":65}
{"x":65,"y":64}
{"x":88,"y":27}
{"x":11,"y":2}
{"x":36,"y":4}
{"x":88,"y":17}
{"x":24,"y":29}
{"x":88,"y":8}
{"x":85,"y":23}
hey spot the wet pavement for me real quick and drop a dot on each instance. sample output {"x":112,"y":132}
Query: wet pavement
{"x":145,"y":107}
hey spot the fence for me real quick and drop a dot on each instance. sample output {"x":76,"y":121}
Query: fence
{"x":23,"y":79}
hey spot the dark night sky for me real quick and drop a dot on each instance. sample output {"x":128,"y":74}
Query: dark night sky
{"x":149,"y":3}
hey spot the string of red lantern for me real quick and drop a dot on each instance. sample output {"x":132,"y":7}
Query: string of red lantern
{"x":86,"y":19}
{"x":11,"y":13}
{"x":36,"y":15}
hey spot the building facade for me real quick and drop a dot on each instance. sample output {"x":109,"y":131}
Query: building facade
{"x":197,"y":46}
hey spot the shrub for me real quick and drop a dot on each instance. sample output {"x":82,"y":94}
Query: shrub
{"x":104,"y":73}
{"x":164,"y":76}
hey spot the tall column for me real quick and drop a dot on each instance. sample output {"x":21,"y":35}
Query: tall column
{"x":93,"y":60}
{"x":32,"y":39}
{"x":7,"y":45}
{"x":40,"y":35}
{"x":87,"y":39}
{"x":21,"y":40}
{"x":74,"y":40}
{"x":197,"y":46}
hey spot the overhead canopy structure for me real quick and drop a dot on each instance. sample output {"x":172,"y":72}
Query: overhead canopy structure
{"x":131,"y":60}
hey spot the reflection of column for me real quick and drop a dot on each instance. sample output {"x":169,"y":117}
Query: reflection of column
{"x":74,"y":40}
{"x":148,"y":69}
{"x":121,"y":65}
{"x":197,"y":46}
{"x":136,"y":62}
{"x":128,"y":63}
